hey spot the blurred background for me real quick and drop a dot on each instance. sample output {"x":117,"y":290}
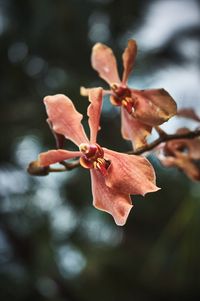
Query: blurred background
{"x":53,"y":244}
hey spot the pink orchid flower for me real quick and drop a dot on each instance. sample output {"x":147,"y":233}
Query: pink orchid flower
{"x":183,"y":154}
{"x":140,"y":109}
{"x":114,"y":175}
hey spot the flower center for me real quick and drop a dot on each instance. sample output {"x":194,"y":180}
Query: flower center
{"x":122,"y":97}
{"x":93,"y":157}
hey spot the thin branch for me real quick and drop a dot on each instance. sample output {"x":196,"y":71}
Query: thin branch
{"x":165,"y":138}
{"x":160,"y":131}
{"x":36,"y":170}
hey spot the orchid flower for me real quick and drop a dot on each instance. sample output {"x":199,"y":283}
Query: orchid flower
{"x":114,"y":175}
{"x":140,"y":109}
{"x":184,"y":154}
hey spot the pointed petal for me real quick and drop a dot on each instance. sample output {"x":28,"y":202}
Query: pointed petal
{"x":191,"y":169}
{"x":191,"y":147}
{"x":129,"y":173}
{"x":153,"y":107}
{"x":134,"y":130}
{"x":64,"y":118}
{"x":55,"y":156}
{"x":85,"y":91}
{"x":113,"y":201}
{"x":58,"y":137}
{"x":94,"y":112}
{"x":184,"y":163}
{"x":104,"y":62}
{"x":128,"y":57}
{"x":188,"y":113}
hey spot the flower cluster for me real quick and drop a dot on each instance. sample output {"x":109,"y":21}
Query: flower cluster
{"x":114,"y":175}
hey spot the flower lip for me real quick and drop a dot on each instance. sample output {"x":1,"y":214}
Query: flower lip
{"x":91,"y":151}
{"x":93,"y":157}
{"x":122,"y":97}
{"x":121,"y":91}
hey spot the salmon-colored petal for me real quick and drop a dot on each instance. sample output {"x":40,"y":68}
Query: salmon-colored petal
{"x":55,"y":156}
{"x":191,"y":169}
{"x":128,"y":57}
{"x":114,"y":201}
{"x":184,"y":163}
{"x":104,"y":62}
{"x":129,"y":173}
{"x":60,"y":139}
{"x":84,"y":91}
{"x":64,"y":118}
{"x":94,"y":112}
{"x":134,"y":130}
{"x":188,"y":113}
{"x":191,"y":147}
{"x":153,"y":107}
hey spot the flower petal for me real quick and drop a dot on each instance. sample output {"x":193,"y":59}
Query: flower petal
{"x":64,"y":118}
{"x":129,"y":173}
{"x":184,"y":163}
{"x":84,"y":91}
{"x":128,"y":57}
{"x":188,"y":113}
{"x":153,"y":107}
{"x":191,"y":169}
{"x":60,"y":139}
{"x":191,"y":147}
{"x":113,"y":201}
{"x":55,"y":156}
{"x":104,"y":62}
{"x":94,"y":112}
{"x":134,"y":130}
